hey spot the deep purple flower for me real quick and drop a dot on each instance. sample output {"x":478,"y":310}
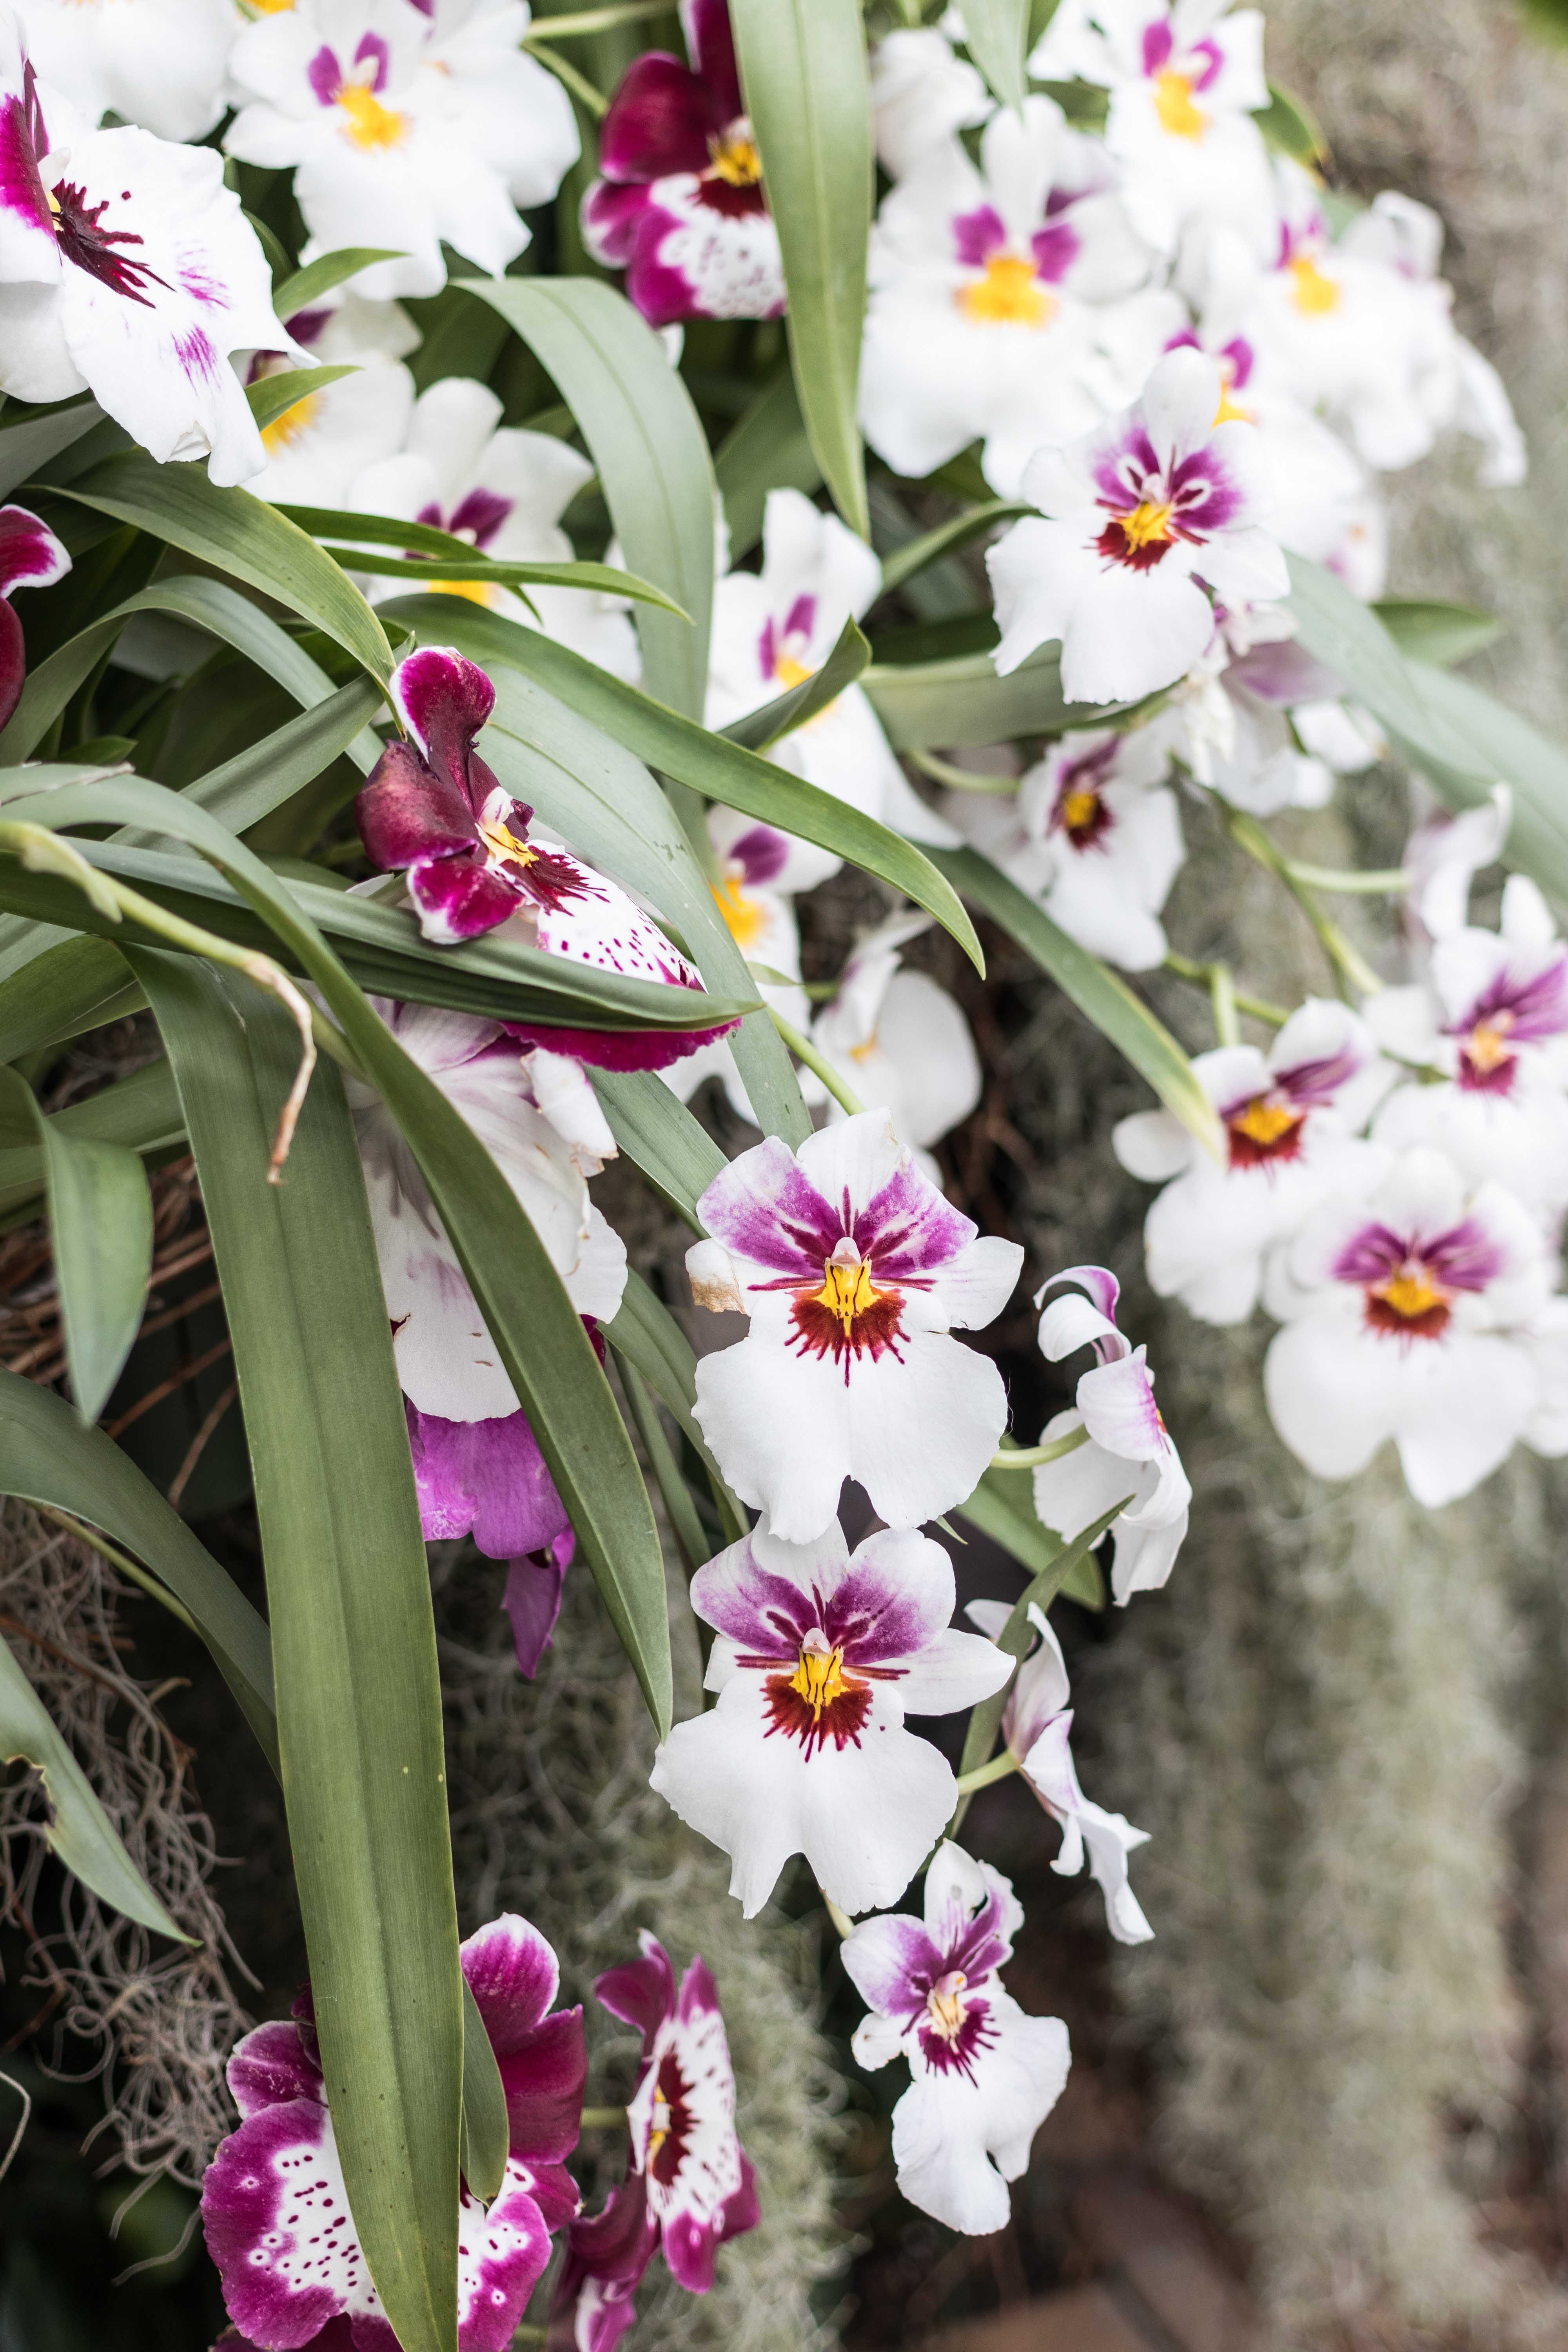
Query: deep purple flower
{"x":30,"y":557}
{"x":690,"y":2186}
{"x":487,"y":1479}
{"x":679,"y":204}
{"x":275,"y":2210}
{"x":433,"y":809}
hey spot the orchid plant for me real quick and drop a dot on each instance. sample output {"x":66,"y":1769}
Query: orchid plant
{"x":641,"y":579}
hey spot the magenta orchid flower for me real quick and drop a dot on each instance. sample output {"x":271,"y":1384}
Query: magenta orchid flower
{"x":30,"y":557}
{"x":434,"y":809}
{"x":679,"y":203}
{"x":690,"y":2186}
{"x":821,"y":1653}
{"x":487,"y":1479}
{"x":855,"y":1271}
{"x":986,"y":2074}
{"x":275,"y":2210}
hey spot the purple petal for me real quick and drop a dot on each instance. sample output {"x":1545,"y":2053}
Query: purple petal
{"x":555,"y":2193}
{"x":613,"y":213}
{"x":501,"y":2255}
{"x":606,"y":2255}
{"x":766,"y":1209}
{"x":460,"y":897}
{"x":372,"y":45}
{"x":278,"y":2226}
{"x":712,"y":41}
{"x":22,"y":194}
{"x":324,"y":75}
{"x":640,"y":1992}
{"x":1055,"y":249}
{"x":405,"y":812}
{"x":484,"y":1478}
{"x":443,"y":699}
{"x":620,"y":1049}
{"x":690,"y":2245}
{"x":978,"y":235}
{"x":533,"y":1600}
{"x":513,"y":1975}
{"x":664,"y":294}
{"x":30,"y":554}
{"x":1098,"y":1280}
{"x":272,"y":2065}
{"x":893,"y":1963}
{"x":13,"y":662}
{"x":660,"y":122}
{"x":336,"y":2336}
{"x":544,"y":2077}
{"x":765,"y":1614}
{"x":908,"y":1228}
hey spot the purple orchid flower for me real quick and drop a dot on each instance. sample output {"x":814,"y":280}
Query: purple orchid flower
{"x":690,"y":2186}
{"x":487,"y":1479}
{"x":679,"y":204}
{"x":30,"y":557}
{"x":433,"y":809}
{"x":275,"y":2210}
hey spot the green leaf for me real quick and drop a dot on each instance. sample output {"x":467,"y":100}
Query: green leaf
{"x":328,"y":270}
{"x":1289,"y":124}
{"x":1487,"y":741}
{"x":720,"y":770}
{"x":272,"y":396}
{"x":138,"y":1114}
{"x":996,"y":33}
{"x":802,"y":66}
{"x":801,"y":704}
{"x":927,"y":706}
{"x":1349,"y":638}
{"x":77,"y":1828}
{"x":767,"y":448}
{"x":659,"y":1136}
{"x":240,"y":535}
{"x":648,"y":445}
{"x":72,"y":985}
{"x":1436,"y":633}
{"x":997,"y":1509}
{"x":933,"y":545}
{"x":599,"y":579}
{"x":648,"y":1336}
{"x":1049,"y":1580}
{"x":358,"y":1686}
{"x":101,"y":1225}
{"x":485,"y":2141}
{"x":48,"y":1458}
{"x":35,"y":438}
{"x":1101,"y":995}
{"x":256,"y":782}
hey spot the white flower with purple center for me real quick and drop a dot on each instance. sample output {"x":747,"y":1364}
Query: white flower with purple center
{"x":759,"y":871}
{"x":690,"y":2187}
{"x":679,"y":203}
{"x":1036,"y":1727}
{"x":1118,"y":1447}
{"x":920,"y":95}
{"x":407,"y":126}
{"x":985,"y":2074}
{"x":773,"y":630}
{"x":1138,"y":514}
{"x":502,"y":492}
{"x":821,"y":1653}
{"x":897,"y":1038}
{"x":127,"y":269}
{"x":1291,"y":1121}
{"x":1004,"y":306}
{"x":160,"y":64}
{"x":1185,"y":82}
{"x":432,"y":809}
{"x":1492,"y":1016}
{"x":274,"y":2210}
{"x":30,"y":557}
{"x":855,"y":1271}
{"x":1405,"y":1317}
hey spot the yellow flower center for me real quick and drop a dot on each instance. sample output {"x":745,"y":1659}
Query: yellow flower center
{"x":944,"y":2005}
{"x":293,"y":425}
{"x":1148,"y":522}
{"x":819,"y":1678}
{"x":847,"y":1291}
{"x":790,"y":672}
{"x":1487,"y":1045}
{"x":369,"y":124}
{"x":1008,"y":295}
{"x":1263,"y":1122}
{"x":1079,"y":809}
{"x":743,"y":918}
{"x":1410,"y":1295}
{"x":271,"y":7}
{"x":735,"y":160}
{"x":1313,"y":294}
{"x":1173,"y":105}
{"x":501,"y":842}
{"x":658,"y":2128}
{"x":864,"y":1053}
{"x":478,"y":592}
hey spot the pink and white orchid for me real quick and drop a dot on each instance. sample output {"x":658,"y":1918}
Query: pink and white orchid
{"x":690,"y":2187}
{"x":1035,"y":1726}
{"x":1291,"y":1121}
{"x":30,"y":557}
{"x":433,"y":809}
{"x":855,"y":1271}
{"x":985,"y":2074}
{"x":1139,"y":513}
{"x":1127,"y":1450}
{"x":821,"y":1653}
{"x":760,"y":872}
{"x":898,"y":1037}
{"x":1408,"y":1315}
{"x":275,"y":2210}
{"x":408,"y":126}
{"x":679,"y":203}
{"x":128,"y":271}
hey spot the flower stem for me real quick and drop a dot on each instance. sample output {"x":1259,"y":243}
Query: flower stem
{"x":958,"y":780}
{"x":983,"y":1774}
{"x":841,"y":1919}
{"x":1375,"y":883}
{"x":804,"y":1051}
{"x":1257,"y":1008}
{"x":1351,"y":971}
{"x":1222,"y":997}
{"x":605,"y":20}
{"x":118,"y":1560}
{"x":603,"y":2119}
{"x":1029,"y":1458}
{"x":581,"y":87}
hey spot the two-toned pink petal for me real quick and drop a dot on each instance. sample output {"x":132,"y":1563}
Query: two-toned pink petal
{"x":443,"y":699}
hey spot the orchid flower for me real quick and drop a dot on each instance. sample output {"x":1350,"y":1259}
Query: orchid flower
{"x":690,"y":2187}
{"x":854,"y":1271}
{"x":920,"y":94}
{"x":1035,"y":1726}
{"x":1407,"y":1315}
{"x":408,"y":127}
{"x":1139,"y":512}
{"x":160,"y":64}
{"x":897,"y":1037}
{"x":128,"y":271}
{"x":432,"y":808}
{"x":274,"y":2210}
{"x":30,"y":557}
{"x":679,"y":203}
{"x":821,"y":1653}
{"x":1291,"y":1121}
{"x":489,"y":1480}
{"x":1128,"y":1450}
{"x":985,"y":2074}
{"x":319,"y":445}
{"x":760,"y":872}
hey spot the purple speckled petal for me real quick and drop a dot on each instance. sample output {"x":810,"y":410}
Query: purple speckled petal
{"x":978,"y":235}
{"x":660,"y":122}
{"x":765,"y":1208}
{"x":405,"y":812}
{"x":460,"y":897}
{"x":692,"y":2245}
{"x":30,"y":554}
{"x":272,"y":2065}
{"x":443,"y":699}
{"x":513,"y":1975}
{"x":542,"y":2077}
{"x":501,"y":2256}
{"x":621,"y":1049}
{"x":607,"y":2253}
{"x":909,"y":1230}
{"x":533,"y":1600}
{"x":276,"y":2216}
{"x":640,"y":1992}
{"x":663,"y":293}
{"x":611,"y":218}
{"x":583,"y":914}
{"x":487,"y":1478}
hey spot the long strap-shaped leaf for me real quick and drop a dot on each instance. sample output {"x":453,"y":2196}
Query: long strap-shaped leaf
{"x":803,"y":64}
{"x":924,"y":706}
{"x":998,"y":32}
{"x":354,"y":1637}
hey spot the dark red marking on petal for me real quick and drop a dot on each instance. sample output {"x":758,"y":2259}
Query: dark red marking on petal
{"x":840,"y":1719}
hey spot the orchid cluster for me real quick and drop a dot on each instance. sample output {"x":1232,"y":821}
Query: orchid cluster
{"x":1157,"y":365}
